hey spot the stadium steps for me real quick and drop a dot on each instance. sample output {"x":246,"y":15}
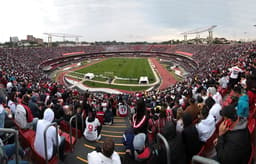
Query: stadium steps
{"x":83,"y":147}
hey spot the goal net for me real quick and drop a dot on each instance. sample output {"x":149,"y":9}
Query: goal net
{"x":109,"y":75}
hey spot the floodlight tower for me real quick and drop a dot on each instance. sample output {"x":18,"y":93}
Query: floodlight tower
{"x":64,"y":36}
{"x":49,"y":40}
{"x":201,"y":30}
{"x":185,"y":36}
{"x":254,"y":25}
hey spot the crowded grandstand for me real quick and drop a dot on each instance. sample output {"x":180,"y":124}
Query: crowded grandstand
{"x":207,"y":116}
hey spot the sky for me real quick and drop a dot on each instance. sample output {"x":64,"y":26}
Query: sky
{"x":127,"y":20}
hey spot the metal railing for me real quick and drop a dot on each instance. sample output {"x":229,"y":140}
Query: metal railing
{"x":45,"y":140}
{"x":70,"y":128}
{"x":200,"y":159}
{"x":15,"y":132}
{"x":82,"y":119}
{"x":167,"y":148}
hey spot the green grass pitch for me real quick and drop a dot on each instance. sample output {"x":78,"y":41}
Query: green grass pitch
{"x":122,"y":67}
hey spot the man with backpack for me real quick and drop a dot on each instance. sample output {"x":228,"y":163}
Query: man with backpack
{"x":23,"y":115}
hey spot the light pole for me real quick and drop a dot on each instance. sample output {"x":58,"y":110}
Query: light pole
{"x":245,"y":36}
{"x":254,"y":25}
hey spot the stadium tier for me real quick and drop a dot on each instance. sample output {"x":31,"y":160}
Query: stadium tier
{"x":209,"y":112}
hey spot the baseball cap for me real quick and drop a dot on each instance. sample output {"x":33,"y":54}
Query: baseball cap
{"x":139,"y":141}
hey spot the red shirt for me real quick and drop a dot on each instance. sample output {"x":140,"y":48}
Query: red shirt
{"x":29,"y":113}
{"x":252,"y":99}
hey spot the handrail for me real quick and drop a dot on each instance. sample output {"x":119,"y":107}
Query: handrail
{"x":161,"y":137}
{"x":200,"y":159}
{"x":45,"y":140}
{"x":8,"y":130}
{"x":82,"y":119}
{"x":70,"y":130}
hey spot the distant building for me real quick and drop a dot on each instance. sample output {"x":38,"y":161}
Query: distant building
{"x":14,"y":39}
{"x":31,"y":38}
{"x":39,"y":41}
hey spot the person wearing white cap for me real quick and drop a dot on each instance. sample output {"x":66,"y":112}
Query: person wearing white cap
{"x":141,"y":152}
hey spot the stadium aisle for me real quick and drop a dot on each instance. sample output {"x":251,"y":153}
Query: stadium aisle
{"x":83,"y":147}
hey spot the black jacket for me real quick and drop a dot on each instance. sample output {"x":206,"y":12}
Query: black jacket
{"x":177,"y":149}
{"x":191,"y":141}
{"x":234,"y":147}
{"x":34,"y":109}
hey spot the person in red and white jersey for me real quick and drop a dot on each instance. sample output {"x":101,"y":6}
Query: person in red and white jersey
{"x":92,"y":127}
{"x":122,"y":109}
{"x":234,"y":75}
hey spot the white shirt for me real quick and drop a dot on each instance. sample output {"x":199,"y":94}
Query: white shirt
{"x":90,"y":131}
{"x":20,"y":116}
{"x":9,"y":85}
{"x":234,"y":72}
{"x":204,"y":98}
{"x":12,"y":106}
{"x":98,"y":158}
{"x":215,"y":112}
{"x":181,"y":101}
{"x":224,"y":82}
{"x":206,"y":128}
{"x":217,"y":98}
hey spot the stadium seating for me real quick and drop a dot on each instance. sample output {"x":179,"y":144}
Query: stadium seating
{"x":252,"y":154}
{"x":208,"y":148}
{"x":39,"y":160}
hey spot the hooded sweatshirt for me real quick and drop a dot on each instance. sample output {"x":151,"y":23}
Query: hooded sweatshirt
{"x":243,"y":106}
{"x":99,"y":158}
{"x":206,"y":128}
{"x":2,"y":116}
{"x":50,"y":135}
{"x":234,"y":146}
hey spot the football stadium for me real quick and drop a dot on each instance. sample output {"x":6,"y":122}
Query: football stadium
{"x":187,"y":100}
